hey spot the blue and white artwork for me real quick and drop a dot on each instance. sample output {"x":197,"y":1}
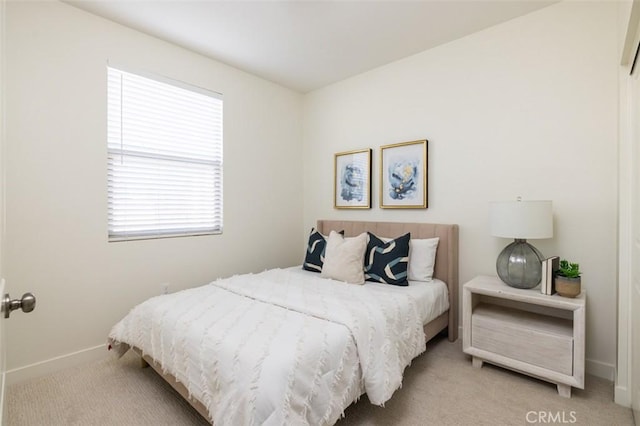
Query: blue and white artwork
{"x":403,"y":179}
{"x":404,"y":175}
{"x":353,"y":179}
{"x":352,"y":182}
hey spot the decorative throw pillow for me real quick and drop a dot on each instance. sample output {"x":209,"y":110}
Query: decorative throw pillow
{"x":422,"y":259}
{"x":344,"y":258}
{"x":314,"y":256}
{"x":387,"y":262}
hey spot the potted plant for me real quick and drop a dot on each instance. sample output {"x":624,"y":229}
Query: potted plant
{"x":568,"y":279}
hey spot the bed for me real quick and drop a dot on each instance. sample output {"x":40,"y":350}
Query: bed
{"x":288,"y":346}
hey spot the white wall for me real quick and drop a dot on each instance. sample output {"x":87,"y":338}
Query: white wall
{"x":528,"y":108}
{"x":56,"y":179}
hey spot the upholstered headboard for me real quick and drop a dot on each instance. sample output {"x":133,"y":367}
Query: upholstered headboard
{"x":446,"y":267}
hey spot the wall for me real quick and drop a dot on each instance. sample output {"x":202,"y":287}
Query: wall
{"x":526,"y":108}
{"x":56,"y":181}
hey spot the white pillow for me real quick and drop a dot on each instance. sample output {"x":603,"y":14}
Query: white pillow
{"x":344,"y":258}
{"x":422,"y":259}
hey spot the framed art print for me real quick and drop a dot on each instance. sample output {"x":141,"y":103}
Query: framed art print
{"x":403,"y":175}
{"x":352,"y":180}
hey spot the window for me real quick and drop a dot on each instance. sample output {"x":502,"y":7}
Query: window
{"x":164,"y":141}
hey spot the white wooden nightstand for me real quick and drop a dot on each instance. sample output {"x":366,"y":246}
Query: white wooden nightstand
{"x":526,"y":331}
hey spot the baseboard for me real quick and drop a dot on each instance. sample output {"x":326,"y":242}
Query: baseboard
{"x":52,"y":365}
{"x":621,"y":396}
{"x":3,"y":395}
{"x":600,"y":369}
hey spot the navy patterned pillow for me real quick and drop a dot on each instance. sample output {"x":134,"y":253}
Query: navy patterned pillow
{"x":314,"y":257}
{"x":387,"y":262}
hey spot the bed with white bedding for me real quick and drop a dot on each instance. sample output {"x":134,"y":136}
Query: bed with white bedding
{"x":288,"y":346}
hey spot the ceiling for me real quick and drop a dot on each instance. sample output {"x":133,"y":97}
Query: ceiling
{"x":305,"y":45}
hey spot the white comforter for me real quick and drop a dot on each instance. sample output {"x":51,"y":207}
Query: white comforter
{"x":278,"y":347}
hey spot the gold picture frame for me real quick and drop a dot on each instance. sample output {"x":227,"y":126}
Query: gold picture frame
{"x":403,"y":175}
{"x":352,"y":179}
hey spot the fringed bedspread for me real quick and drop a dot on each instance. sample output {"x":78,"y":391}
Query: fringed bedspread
{"x":279,"y":347}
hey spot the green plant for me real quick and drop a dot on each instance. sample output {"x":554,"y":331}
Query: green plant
{"x":568,"y":269}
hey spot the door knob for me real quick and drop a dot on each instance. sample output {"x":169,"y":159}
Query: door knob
{"x":27,"y":304}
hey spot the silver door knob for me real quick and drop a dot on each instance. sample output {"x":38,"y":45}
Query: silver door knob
{"x":27,"y":304}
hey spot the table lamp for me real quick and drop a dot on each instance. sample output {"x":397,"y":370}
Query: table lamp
{"x":520,"y":264}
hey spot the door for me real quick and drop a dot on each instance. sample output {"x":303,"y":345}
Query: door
{"x":3,"y":368}
{"x":27,"y":303}
{"x":2,"y":210}
{"x":633,"y":293}
{"x":628,"y":371}
{"x":634,"y":309}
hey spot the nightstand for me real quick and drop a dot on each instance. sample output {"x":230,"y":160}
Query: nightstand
{"x":526,"y":331}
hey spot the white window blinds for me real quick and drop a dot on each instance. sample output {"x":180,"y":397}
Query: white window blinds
{"x":165,"y":158}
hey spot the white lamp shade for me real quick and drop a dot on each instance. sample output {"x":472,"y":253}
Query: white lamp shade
{"x":521,"y":219}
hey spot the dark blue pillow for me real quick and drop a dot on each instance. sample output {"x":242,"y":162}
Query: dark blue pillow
{"x":387,"y":262}
{"x":314,"y":257}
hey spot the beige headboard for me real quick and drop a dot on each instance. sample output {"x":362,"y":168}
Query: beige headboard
{"x":446,"y":268}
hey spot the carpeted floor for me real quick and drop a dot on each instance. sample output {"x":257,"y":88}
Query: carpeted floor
{"x":440,"y":388}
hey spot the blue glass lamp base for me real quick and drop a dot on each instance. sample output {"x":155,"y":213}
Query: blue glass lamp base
{"x":520,"y":265}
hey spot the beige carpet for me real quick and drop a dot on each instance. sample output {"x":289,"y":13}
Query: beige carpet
{"x":440,"y":388}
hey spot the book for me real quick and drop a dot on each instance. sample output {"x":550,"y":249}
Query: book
{"x":543,"y":281}
{"x":549,"y":267}
{"x":552,"y":267}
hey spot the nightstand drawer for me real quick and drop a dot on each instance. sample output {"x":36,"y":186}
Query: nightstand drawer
{"x":540,"y":340}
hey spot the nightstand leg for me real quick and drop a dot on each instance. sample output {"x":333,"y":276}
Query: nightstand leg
{"x":477,"y":362}
{"x":564,"y":390}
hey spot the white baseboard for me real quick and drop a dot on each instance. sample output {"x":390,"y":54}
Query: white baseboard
{"x":52,"y":365}
{"x":3,"y":395}
{"x":600,"y":369}
{"x":621,"y":396}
